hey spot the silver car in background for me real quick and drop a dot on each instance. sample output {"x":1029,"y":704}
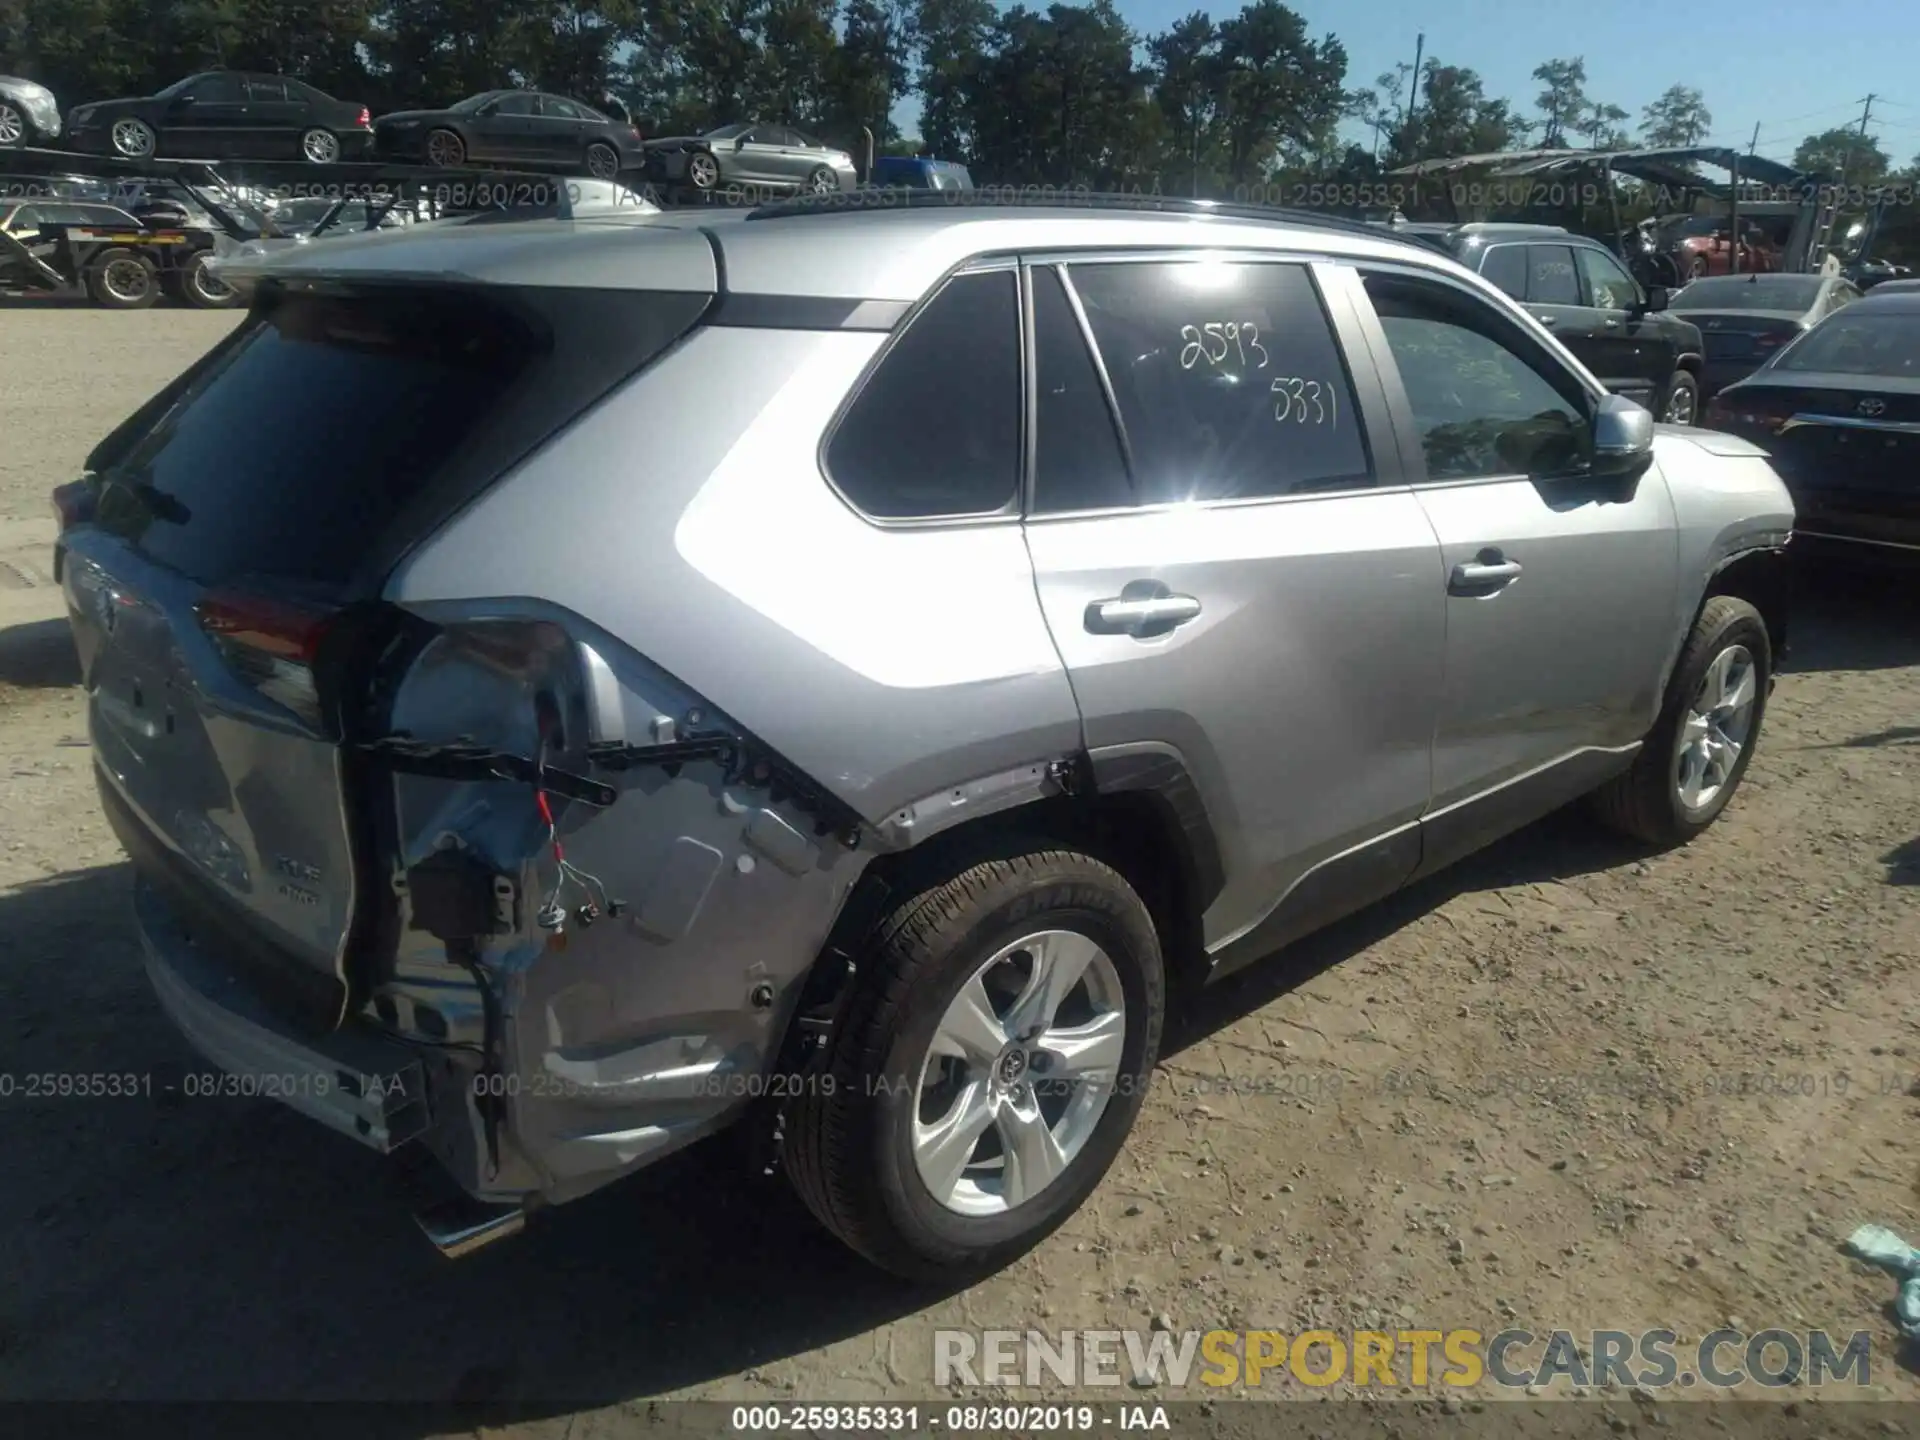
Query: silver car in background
{"x":840,"y":669}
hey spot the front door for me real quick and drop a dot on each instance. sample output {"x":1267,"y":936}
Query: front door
{"x":1554,"y":298}
{"x":511,"y":130}
{"x":209,"y":121}
{"x":1236,"y":575}
{"x":1561,"y":595}
{"x":1627,"y":350}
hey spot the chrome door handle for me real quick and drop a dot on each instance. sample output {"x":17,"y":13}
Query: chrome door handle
{"x":1547,"y":319}
{"x":1145,"y":615}
{"x":1473,"y":576}
{"x":1610,"y":324}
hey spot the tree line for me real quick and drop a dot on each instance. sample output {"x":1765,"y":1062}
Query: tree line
{"x":1067,"y":95}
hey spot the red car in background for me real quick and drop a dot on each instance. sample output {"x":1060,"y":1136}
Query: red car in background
{"x":1702,"y":245}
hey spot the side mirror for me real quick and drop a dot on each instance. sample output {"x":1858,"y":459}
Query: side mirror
{"x":1622,"y":439}
{"x":740,"y":142}
{"x":1657,"y":299}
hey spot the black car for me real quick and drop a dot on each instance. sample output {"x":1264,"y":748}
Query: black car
{"x":524,"y":128}
{"x":1838,"y":410}
{"x":225,"y":114}
{"x":29,"y":115}
{"x":1583,"y":294}
{"x":1745,"y":318}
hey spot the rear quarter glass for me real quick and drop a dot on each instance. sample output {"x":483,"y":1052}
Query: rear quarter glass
{"x":336,"y":430}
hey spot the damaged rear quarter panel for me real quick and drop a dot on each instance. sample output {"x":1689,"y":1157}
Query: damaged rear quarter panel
{"x":683,"y":532}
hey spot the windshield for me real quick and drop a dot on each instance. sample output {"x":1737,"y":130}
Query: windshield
{"x":1757,"y":292}
{"x":727,"y":132}
{"x":1857,"y":342}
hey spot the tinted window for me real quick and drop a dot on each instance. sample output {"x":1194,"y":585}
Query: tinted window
{"x":218,"y":90}
{"x":517,"y":105}
{"x":936,"y":428}
{"x":1750,"y":292}
{"x":1506,"y":267}
{"x":1551,"y":278}
{"x":1227,"y":377}
{"x":1483,"y":406}
{"x":1609,"y":285}
{"x":561,"y":109}
{"x":1077,"y":460}
{"x":265,"y":87}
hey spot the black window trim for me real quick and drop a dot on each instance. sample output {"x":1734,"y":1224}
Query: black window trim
{"x":1413,"y":456}
{"x":1371,"y":408}
{"x":1013,"y":510}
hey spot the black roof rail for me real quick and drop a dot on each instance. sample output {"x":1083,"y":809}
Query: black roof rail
{"x":1052,"y":198}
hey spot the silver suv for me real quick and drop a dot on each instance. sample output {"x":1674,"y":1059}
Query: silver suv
{"x":570,"y":686}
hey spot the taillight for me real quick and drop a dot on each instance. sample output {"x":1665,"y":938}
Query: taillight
{"x":73,"y":503}
{"x":366,"y":118}
{"x":271,"y":645}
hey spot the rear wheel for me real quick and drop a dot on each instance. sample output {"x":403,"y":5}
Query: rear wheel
{"x":990,"y":1065}
{"x":123,"y":279}
{"x":135,"y":139}
{"x":603,"y":161}
{"x":1698,"y":750}
{"x":445,"y":148}
{"x":321,"y":147}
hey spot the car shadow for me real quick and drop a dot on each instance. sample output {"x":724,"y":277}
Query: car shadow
{"x":1846,"y":619}
{"x":38,"y":656}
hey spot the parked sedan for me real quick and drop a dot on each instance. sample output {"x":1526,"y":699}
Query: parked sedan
{"x":29,"y":115}
{"x":1744,"y":319}
{"x":526,"y":128}
{"x":1839,"y":411}
{"x":753,"y":156}
{"x":225,"y":114}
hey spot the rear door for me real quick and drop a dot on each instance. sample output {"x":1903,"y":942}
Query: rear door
{"x":1234,"y":570}
{"x":275,"y":117}
{"x":559,"y":132}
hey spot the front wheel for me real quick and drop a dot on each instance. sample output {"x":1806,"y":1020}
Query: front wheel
{"x":13,"y":124}
{"x":1682,"y":403}
{"x":134,"y":139}
{"x":1698,"y":750}
{"x":203,"y":290}
{"x":822,"y":181}
{"x":446,"y":149}
{"x":703,"y":171}
{"x":990,"y":1065}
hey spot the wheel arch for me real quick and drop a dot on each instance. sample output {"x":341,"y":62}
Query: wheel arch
{"x":1763,"y":577}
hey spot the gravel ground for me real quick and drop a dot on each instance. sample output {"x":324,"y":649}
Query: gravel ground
{"x":1565,"y":1085}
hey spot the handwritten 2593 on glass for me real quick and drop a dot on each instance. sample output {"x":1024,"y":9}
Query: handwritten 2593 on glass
{"x":1233,"y":346}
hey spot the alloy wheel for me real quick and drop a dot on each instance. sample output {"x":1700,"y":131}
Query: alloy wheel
{"x":602,"y":163}
{"x":1019,"y":1072}
{"x":821,"y":183}
{"x":132,"y":138}
{"x":444,"y":148}
{"x":703,"y":171}
{"x":1718,"y":725}
{"x":1681,"y":405}
{"x":320,"y":146}
{"x":13,"y":125}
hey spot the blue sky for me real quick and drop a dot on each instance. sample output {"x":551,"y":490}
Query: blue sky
{"x":1788,"y":68}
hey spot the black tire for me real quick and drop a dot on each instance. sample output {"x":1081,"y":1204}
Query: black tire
{"x":1683,"y":385}
{"x":148,"y":140}
{"x":444,"y":148}
{"x":201,"y":290}
{"x":603,"y":161}
{"x":111,"y":283}
{"x":848,"y":1150}
{"x":1645,"y":803}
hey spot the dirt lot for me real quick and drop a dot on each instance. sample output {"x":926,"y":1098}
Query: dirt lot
{"x":1514,"y":1095}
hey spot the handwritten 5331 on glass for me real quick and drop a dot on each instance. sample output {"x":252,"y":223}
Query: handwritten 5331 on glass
{"x":1233,"y":346}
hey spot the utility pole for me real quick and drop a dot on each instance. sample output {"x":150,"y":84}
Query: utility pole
{"x":1413,"y":87}
{"x":1754,"y":144}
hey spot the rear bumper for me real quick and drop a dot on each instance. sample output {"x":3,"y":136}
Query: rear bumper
{"x":366,"y":1087}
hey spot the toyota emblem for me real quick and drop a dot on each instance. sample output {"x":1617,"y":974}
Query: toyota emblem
{"x":1872,"y":405}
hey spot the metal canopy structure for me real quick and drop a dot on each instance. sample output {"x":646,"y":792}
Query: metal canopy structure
{"x":1664,"y":166}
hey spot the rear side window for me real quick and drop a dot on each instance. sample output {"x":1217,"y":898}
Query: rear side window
{"x":307,"y":445}
{"x":1228,"y":379}
{"x":1551,"y":278}
{"x":1505,"y":267}
{"x":935,"y":431}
